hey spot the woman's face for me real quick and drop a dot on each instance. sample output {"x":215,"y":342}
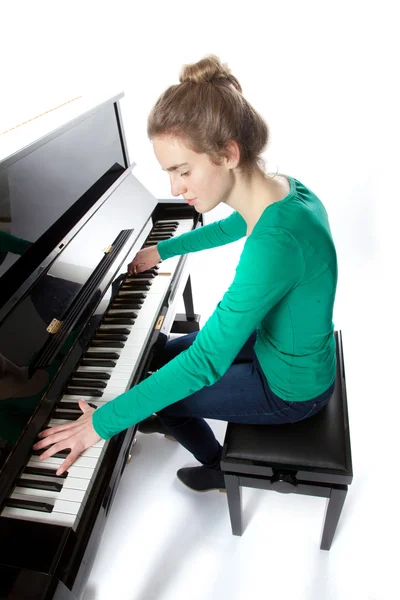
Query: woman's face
{"x":193,"y":175}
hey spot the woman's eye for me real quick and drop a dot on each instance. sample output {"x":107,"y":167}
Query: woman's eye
{"x":185,"y":174}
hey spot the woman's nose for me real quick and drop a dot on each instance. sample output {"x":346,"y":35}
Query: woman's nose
{"x":177,"y":188}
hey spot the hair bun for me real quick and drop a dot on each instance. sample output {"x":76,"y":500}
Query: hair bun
{"x":208,"y":70}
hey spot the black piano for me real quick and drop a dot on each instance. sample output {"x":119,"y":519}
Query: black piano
{"x":74,"y":324}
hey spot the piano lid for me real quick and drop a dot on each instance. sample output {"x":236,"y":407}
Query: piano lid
{"x":24,"y":332}
{"x":39,"y":122}
{"x":42,"y":181}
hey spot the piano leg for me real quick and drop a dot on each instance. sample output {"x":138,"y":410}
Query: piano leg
{"x":188,"y":322}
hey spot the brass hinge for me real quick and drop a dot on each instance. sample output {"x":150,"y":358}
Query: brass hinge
{"x":159,"y":322}
{"x":108,"y":249}
{"x":54,"y":326}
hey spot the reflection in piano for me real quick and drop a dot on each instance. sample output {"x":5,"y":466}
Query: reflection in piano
{"x":74,"y":324}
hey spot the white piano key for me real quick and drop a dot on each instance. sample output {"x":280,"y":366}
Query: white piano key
{"x":64,"y":494}
{"x":122,"y":374}
{"x":98,"y":402}
{"x":69,"y":482}
{"x":81,"y":461}
{"x":140,"y":336}
{"x":112,"y":311}
{"x":86,"y":370}
{"x":118,"y":381}
{"x":104,"y":398}
{"x":59,"y":506}
{"x":91,"y":452}
{"x":55,"y":518}
{"x":79,"y":472}
{"x":116,"y":390}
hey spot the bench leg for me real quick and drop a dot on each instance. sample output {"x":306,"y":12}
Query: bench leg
{"x":333,"y":510}
{"x":234,"y":495}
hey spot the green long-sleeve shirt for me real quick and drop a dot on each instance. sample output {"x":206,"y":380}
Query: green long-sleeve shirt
{"x":284,"y":288}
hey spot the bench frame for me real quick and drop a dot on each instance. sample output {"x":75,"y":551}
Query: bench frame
{"x":327,"y":483}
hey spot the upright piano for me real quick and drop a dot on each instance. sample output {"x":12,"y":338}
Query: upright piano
{"x":73,"y":324}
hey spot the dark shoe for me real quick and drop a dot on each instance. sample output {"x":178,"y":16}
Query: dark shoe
{"x":153,"y":425}
{"x":202,"y":479}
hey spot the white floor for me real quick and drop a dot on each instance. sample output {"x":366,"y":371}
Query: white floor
{"x":164,"y":542}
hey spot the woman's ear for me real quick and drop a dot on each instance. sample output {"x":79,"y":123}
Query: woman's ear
{"x":232,"y":154}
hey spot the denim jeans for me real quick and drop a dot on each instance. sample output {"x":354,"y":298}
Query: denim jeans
{"x":242,"y":395}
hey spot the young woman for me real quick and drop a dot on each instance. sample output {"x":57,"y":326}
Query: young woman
{"x":267,"y":353}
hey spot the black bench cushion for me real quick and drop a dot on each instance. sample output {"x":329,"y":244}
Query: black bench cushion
{"x":319,"y":442}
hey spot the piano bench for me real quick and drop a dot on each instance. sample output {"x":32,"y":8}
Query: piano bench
{"x":311,"y":457}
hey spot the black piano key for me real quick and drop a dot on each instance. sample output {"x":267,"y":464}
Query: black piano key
{"x":93,"y":362}
{"x":87,"y":382}
{"x":91,"y":375}
{"x":165,"y":235}
{"x":166,"y":232}
{"x":103,"y":355}
{"x":39,"y":484}
{"x":153,"y":271}
{"x":61,"y":454}
{"x":108,"y":337}
{"x":44,"y":472}
{"x":106,"y":344}
{"x":142,"y":275}
{"x":134,"y":282}
{"x":67,"y":415}
{"x":123,"y":330}
{"x":137,"y":296}
{"x":136,"y":285}
{"x":38,"y":505}
{"x":75,"y":391}
{"x":166,"y":224}
{"x":127,"y":304}
{"x":121,"y":315}
{"x":120,"y":321}
{"x":120,"y":301}
{"x":70,"y":406}
{"x":165,"y":229}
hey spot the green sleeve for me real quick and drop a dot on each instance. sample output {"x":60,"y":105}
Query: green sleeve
{"x":10,"y":243}
{"x":271,"y":264}
{"x":216,"y":234}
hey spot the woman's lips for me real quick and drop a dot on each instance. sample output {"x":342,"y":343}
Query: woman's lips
{"x":192,"y":201}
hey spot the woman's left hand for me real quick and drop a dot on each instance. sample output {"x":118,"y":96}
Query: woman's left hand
{"x":77,"y":436}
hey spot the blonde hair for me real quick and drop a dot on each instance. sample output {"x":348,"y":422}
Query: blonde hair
{"x":208,"y":110}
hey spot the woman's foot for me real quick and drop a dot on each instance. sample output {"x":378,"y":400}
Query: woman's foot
{"x":153,"y":425}
{"x":202,"y":479}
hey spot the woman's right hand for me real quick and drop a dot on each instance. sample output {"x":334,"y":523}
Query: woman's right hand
{"x":145,"y":259}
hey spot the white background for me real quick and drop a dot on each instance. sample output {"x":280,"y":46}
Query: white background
{"x":325,"y":77}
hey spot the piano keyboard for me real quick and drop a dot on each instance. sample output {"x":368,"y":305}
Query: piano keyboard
{"x":105,"y":371}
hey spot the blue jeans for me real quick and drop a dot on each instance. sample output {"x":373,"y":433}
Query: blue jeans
{"x":242,"y":395}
